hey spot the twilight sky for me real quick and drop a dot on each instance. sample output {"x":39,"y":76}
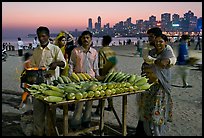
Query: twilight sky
{"x":22,"y":18}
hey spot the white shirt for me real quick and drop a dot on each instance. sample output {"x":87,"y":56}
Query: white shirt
{"x":20,"y":44}
{"x":35,"y":43}
{"x":140,"y":43}
{"x":44,"y":57}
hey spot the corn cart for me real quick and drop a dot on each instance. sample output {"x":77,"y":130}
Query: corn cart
{"x":71,"y":90}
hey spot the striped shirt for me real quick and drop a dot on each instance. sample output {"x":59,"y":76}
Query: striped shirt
{"x":85,"y":62}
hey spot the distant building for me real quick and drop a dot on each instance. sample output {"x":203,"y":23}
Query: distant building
{"x":90,"y":27}
{"x":166,"y":21}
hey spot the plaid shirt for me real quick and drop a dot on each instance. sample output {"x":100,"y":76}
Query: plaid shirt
{"x":106,"y":54}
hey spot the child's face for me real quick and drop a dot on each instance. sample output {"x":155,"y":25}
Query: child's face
{"x":150,"y":74}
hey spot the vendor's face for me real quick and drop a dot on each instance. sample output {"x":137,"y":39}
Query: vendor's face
{"x":86,"y":40}
{"x":43,"y":38}
{"x":159,"y":44}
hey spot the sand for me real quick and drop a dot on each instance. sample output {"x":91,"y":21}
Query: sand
{"x":187,"y":108}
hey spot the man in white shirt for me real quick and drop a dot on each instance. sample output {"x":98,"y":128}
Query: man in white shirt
{"x":35,"y":43}
{"x":49,"y":56}
{"x":20,"y":47}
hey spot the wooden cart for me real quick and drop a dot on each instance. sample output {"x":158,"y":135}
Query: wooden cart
{"x":53,"y":130}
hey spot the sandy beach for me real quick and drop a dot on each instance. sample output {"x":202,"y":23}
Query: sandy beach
{"x":187,"y":108}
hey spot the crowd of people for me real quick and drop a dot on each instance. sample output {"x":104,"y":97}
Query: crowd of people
{"x":63,"y":56}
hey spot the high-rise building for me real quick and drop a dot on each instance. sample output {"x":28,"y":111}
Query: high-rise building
{"x":99,"y":23}
{"x":90,"y":27}
{"x":175,"y":22}
{"x":189,"y":20}
{"x":165,"y":21}
{"x":175,"y":19}
{"x":152,"y":21}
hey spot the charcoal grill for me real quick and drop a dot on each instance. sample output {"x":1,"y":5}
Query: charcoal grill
{"x":33,"y":76}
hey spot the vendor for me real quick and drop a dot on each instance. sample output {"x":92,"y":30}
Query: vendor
{"x":49,"y":56}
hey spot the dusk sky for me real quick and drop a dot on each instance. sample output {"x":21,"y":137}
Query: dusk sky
{"x":22,"y":18}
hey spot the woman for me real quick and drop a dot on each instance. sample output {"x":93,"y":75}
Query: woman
{"x":156,"y":106}
{"x":61,"y":42}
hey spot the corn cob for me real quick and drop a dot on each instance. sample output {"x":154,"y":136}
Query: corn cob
{"x":88,"y":76}
{"x":132,"y":78}
{"x":69,"y":79}
{"x":53,"y":99}
{"x":112,"y":76}
{"x":116,"y":76}
{"x":141,"y":81}
{"x":72,"y":79}
{"x":53,"y":93}
{"x":122,"y":77}
{"x":60,"y":80}
{"x":107,"y":76}
{"x":68,"y":89}
{"x":145,"y":86}
{"x":75,"y":77}
{"x":65,"y":79}
{"x":71,"y":96}
{"x":54,"y":88}
{"x":80,"y":77}
{"x":84,"y":76}
{"x":74,"y":85}
{"x":55,"y":82}
{"x":119,"y":77}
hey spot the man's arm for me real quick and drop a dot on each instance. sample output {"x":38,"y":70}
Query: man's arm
{"x":145,"y":54}
{"x":60,"y":61}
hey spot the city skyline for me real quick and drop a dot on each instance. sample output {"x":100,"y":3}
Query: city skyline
{"x":16,"y":25}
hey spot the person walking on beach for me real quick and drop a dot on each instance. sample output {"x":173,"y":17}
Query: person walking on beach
{"x":198,"y":43}
{"x":49,"y":56}
{"x":107,"y":63}
{"x":35,"y":43}
{"x":140,"y":44}
{"x":183,"y":56}
{"x":20,"y":44}
{"x":84,"y":59}
{"x":155,"y":107}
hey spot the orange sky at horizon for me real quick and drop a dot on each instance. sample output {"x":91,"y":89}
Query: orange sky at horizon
{"x":72,"y":15}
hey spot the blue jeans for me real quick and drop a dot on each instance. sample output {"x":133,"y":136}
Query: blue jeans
{"x":78,"y":118}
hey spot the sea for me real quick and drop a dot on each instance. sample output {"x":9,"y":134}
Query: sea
{"x":96,"y":41}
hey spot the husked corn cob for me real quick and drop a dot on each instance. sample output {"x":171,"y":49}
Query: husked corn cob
{"x":84,"y":76}
{"x":80,"y":77}
{"x":88,"y":76}
{"x":75,"y":77}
